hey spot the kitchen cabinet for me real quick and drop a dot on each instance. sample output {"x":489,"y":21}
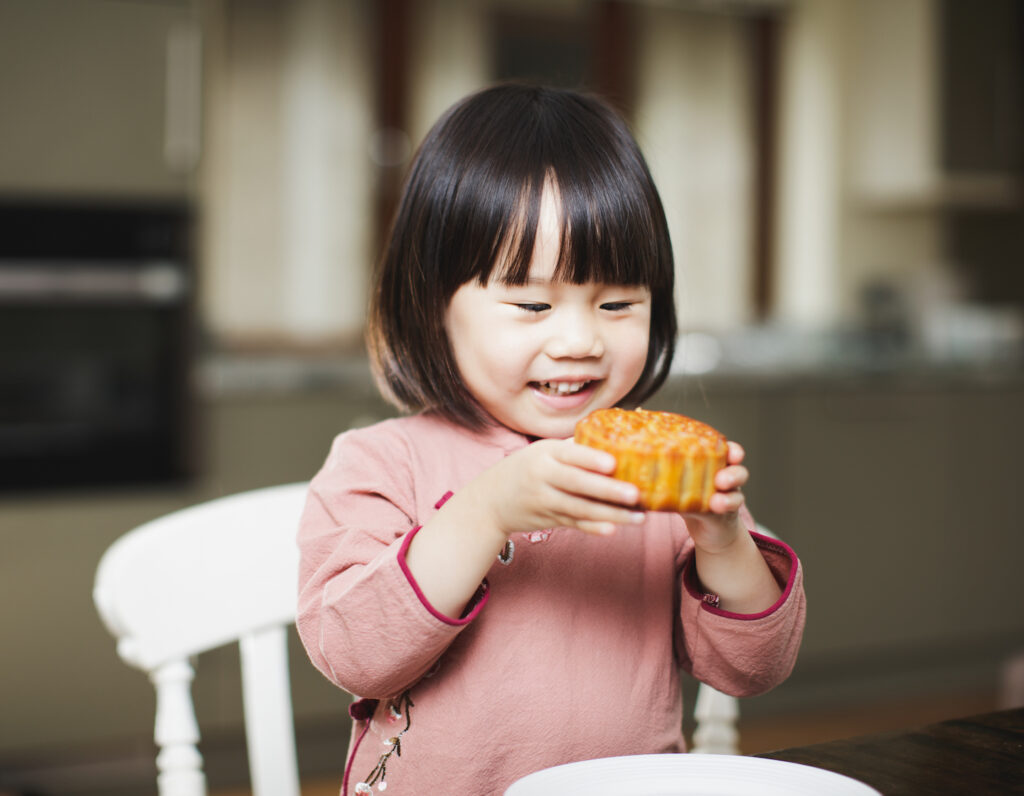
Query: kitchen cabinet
{"x":982,"y":116}
{"x":99,"y":98}
{"x":983,"y":133}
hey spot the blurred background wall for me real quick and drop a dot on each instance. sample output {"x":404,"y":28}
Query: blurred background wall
{"x":192,"y":197}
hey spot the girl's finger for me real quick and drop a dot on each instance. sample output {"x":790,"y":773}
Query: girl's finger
{"x":571,"y":510}
{"x":598,"y":528}
{"x":586,"y":483}
{"x":725,"y":502}
{"x":735,"y":452}
{"x":731,"y":478}
{"x":586,"y":457}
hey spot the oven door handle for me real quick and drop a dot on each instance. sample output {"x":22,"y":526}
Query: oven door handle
{"x":153,"y":282}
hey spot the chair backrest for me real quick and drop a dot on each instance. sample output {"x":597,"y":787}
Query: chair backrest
{"x":226,"y":571}
{"x":220,"y":572}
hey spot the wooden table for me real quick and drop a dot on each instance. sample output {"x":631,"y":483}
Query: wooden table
{"x":973,"y":756}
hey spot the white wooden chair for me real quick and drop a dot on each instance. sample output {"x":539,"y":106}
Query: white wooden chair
{"x":196,"y":579}
{"x":226,"y":571}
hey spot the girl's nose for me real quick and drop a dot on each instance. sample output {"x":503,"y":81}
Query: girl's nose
{"x":577,"y":337}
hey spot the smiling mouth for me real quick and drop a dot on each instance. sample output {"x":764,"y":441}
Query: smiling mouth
{"x":561,"y":387}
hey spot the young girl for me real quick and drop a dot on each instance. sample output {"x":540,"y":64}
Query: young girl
{"x":477,"y":579}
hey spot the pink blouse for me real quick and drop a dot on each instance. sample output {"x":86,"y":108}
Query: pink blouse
{"x":571,"y":649}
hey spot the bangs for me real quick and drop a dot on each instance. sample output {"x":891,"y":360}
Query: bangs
{"x":604,"y":235}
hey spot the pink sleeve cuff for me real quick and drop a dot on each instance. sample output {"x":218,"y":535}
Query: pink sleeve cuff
{"x":473,"y":607}
{"x":780,"y":559}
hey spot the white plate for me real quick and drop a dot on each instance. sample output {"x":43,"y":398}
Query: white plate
{"x":687,"y":775}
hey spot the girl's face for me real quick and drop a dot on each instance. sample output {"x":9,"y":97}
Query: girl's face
{"x":541,"y":356}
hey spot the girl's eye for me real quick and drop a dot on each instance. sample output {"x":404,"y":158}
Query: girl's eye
{"x":530,"y":307}
{"x":617,"y":306}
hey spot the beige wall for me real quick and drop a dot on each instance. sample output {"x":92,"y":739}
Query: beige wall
{"x":693,"y":120}
{"x":286,"y":190}
{"x":86,"y":109}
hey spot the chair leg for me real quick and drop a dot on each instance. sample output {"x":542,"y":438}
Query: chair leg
{"x":716,"y":715}
{"x":179,"y":764}
{"x":269,"y":721}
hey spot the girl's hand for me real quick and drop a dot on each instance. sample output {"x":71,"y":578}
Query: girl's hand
{"x":728,"y":561}
{"x":557,"y":483}
{"x":720,"y":526}
{"x":549,"y":484}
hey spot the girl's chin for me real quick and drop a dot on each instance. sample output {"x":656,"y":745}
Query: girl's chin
{"x":554,"y":428}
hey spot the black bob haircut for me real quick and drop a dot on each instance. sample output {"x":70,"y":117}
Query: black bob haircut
{"x":469,"y":211}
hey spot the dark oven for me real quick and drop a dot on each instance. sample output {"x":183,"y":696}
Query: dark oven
{"x":95,"y":308}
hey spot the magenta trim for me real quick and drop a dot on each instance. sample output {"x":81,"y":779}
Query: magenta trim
{"x":352,"y":758}
{"x":477,"y":603}
{"x":444,"y":499}
{"x":765,"y":543}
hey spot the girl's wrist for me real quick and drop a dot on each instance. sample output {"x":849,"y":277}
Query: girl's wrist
{"x":491,"y":501}
{"x":453,"y":552}
{"x":481,"y":515}
{"x":718,"y":536}
{"x":738,"y":574}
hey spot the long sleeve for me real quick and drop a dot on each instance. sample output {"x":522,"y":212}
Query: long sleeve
{"x":743,"y":654}
{"x":360,"y":615}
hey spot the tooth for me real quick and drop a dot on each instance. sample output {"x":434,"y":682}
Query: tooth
{"x":562,"y":387}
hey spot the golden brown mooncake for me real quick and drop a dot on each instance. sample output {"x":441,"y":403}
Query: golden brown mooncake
{"x":671,"y":458}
